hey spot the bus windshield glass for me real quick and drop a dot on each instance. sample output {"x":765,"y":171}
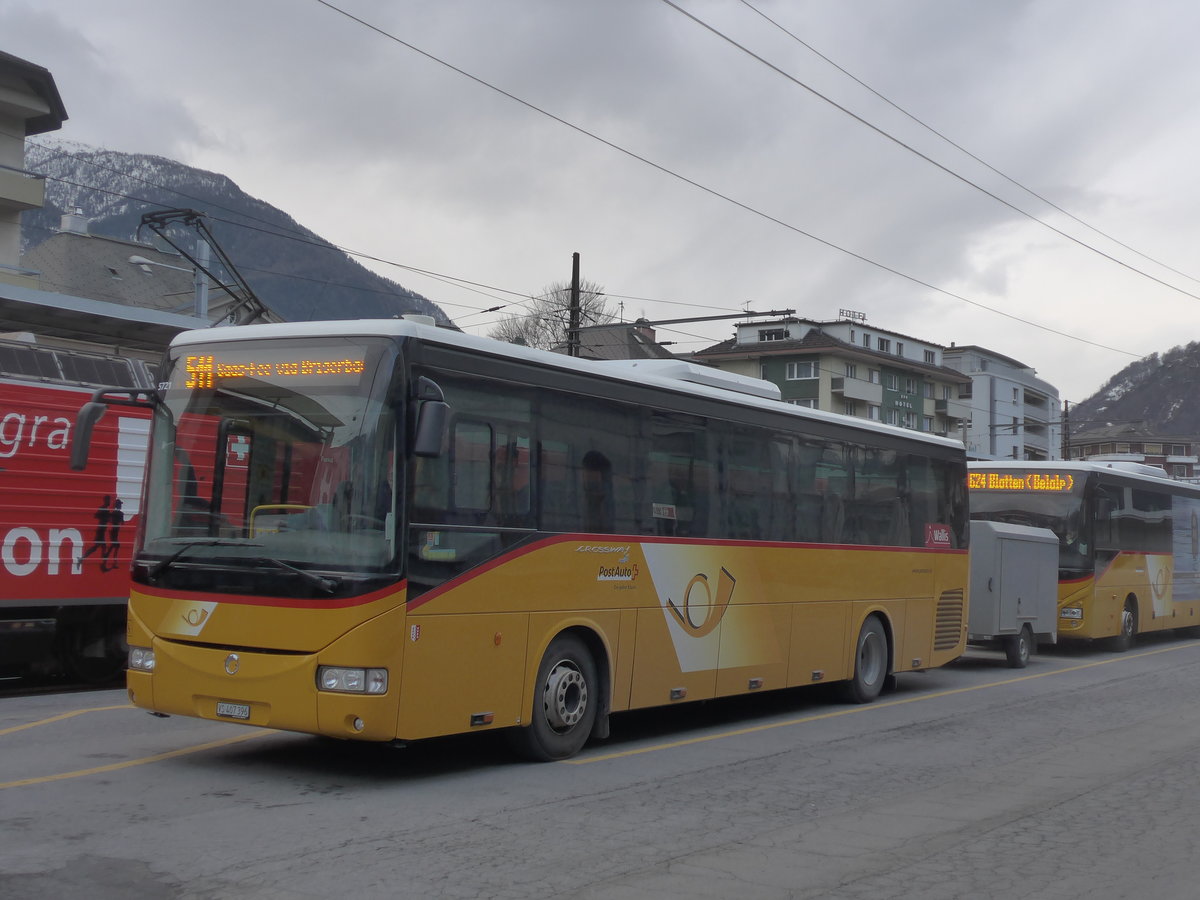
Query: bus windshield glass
{"x":1038,"y":499}
{"x":272,"y":461}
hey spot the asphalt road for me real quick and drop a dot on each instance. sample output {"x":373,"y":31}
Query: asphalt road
{"x":1076,"y":777}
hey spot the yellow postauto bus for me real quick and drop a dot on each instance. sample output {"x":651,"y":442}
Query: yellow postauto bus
{"x":386,"y":531}
{"x":1129,"y":541}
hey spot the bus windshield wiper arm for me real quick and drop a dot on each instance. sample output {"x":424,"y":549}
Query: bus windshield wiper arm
{"x":328,"y":585}
{"x":162,"y":565}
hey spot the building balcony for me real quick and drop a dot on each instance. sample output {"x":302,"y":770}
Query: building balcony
{"x":19,"y":191}
{"x":952,"y":409}
{"x":857,"y":389}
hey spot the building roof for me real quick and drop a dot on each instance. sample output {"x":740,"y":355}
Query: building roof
{"x":955,"y":349}
{"x":619,"y":340}
{"x":817,"y":341}
{"x":39,"y":82}
{"x":122,"y":272}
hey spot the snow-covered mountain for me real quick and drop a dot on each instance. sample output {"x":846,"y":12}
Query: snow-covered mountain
{"x":1158,"y":395}
{"x":297,"y":273}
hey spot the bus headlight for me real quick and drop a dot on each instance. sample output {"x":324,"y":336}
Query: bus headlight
{"x":343,"y":680}
{"x":1071,"y":612}
{"x":141,"y":659}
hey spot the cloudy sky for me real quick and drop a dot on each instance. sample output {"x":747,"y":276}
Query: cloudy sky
{"x":1020,"y":175}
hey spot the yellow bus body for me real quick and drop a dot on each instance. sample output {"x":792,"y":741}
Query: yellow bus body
{"x":1148,"y":579}
{"x":667,"y":621}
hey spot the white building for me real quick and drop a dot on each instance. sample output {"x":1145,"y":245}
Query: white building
{"x":1013,"y":413}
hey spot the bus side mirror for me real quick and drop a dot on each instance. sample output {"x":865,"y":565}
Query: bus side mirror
{"x":431,"y":428}
{"x":433,"y":415}
{"x":81,"y":438}
{"x":92,"y":411}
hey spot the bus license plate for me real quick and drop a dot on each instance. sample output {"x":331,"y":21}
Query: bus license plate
{"x":233,"y":710}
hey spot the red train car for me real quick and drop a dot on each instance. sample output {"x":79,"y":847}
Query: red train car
{"x":66,"y":537}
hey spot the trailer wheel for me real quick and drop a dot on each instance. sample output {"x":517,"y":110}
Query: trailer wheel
{"x":1018,"y":647}
{"x":564,"y":703}
{"x":870,"y":663}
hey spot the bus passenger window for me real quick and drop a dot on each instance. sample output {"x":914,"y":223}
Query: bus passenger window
{"x":597,"y":486}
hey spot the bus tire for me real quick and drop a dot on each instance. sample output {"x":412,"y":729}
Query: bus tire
{"x":1124,"y":640}
{"x":870,"y":663}
{"x":564,"y":703}
{"x":1018,"y":647}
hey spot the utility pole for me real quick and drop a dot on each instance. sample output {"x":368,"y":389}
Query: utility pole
{"x":573,"y":321}
{"x":1066,"y":430}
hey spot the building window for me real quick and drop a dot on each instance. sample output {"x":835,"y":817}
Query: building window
{"x":866,"y":340}
{"x":931,"y":357}
{"x":946,"y":392}
{"x":772,"y":334}
{"x":762,"y":371}
{"x":850,"y":409}
{"x":1154,"y":449}
{"x":796,"y":371}
{"x":891,"y":417}
{"x":1179,"y":450}
{"x":910,"y":420}
{"x":851,"y":370}
{"x":873,"y":376}
{"x":809,"y":403}
{"x":891,"y":381}
{"x":927,"y":390}
{"x":873,"y":412}
{"x":1180,"y":471}
{"x":1122,"y":448}
{"x":929,"y":423}
{"x":1016,"y":395}
{"x":853,"y":338}
{"x":910,"y":385}
{"x":899,"y":348}
{"x":884,"y":345}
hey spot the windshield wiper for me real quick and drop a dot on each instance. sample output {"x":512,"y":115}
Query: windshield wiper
{"x":321,"y":583}
{"x":162,"y":565}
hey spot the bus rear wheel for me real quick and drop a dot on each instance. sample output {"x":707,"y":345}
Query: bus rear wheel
{"x":870,"y":663}
{"x":564,"y":703}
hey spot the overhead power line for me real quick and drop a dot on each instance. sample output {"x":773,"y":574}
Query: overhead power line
{"x":961,"y":148}
{"x":725,"y":197}
{"x":913,"y":150}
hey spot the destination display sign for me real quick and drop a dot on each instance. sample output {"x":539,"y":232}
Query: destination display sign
{"x":1038,"y":482}
{"x":204,"y":371}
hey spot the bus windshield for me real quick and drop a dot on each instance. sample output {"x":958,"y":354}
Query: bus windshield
{"x":272,"y":467}
{"x":1060,"y":510}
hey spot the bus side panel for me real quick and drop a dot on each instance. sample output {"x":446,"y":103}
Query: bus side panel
{"x":753,"y":651}
{"x":66,"y":536}
{"x":820,"y":637}
{"x":459,"y":666}
{"x":659,"y":675}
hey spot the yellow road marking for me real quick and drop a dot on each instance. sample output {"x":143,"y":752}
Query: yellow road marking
{"x":59,"y":718}
{"x":671,"y":745}
{"x":130,"y":763}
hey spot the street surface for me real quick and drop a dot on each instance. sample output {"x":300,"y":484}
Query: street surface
{"x":1077,"y":777}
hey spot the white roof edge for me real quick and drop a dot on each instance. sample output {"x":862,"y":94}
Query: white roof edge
{"x":451,"y":338}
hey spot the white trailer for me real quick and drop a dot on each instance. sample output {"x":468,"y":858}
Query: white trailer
{"x":1014,"y":588}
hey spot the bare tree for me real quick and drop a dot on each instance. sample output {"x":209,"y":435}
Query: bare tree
{"x":544,"y":321}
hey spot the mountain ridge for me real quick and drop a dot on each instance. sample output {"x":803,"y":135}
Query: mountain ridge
{"x":300,"y":275}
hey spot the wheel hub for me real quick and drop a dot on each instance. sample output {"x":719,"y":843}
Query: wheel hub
{"x":565,"y":698}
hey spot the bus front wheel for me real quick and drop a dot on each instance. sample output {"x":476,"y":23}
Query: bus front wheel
{"x":1124,"y":639}
{"x":870,"y":663}
{"x":564,"y":703}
